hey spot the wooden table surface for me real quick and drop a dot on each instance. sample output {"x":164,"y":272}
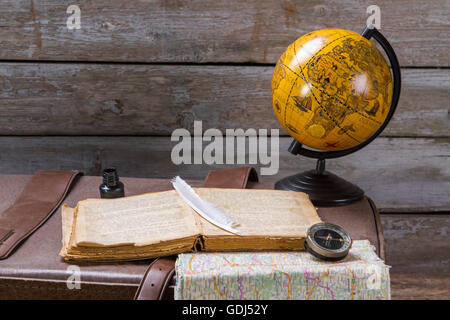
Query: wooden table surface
{"x":417,"y":286}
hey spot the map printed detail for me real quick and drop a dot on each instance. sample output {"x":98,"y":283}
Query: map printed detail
{"x":331,"y":89}
{"x":282,"y":275}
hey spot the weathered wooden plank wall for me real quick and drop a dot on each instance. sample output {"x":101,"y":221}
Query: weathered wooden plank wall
{"x":212,"y":30}
{"x":99,"y":99}
{"x":417,"y":243}
{"x":147,"y":67}
{"x":396,"y":173}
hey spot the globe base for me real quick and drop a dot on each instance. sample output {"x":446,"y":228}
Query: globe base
{"x":325,"y":189}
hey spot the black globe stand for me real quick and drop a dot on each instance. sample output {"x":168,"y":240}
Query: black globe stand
{"x":325,"y":188}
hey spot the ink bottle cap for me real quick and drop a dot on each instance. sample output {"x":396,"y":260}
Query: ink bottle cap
{"x":111,"y":186}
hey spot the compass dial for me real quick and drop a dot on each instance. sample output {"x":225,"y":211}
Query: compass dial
{"x":328,"y":241}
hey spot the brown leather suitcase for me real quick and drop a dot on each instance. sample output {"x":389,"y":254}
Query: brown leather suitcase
{"x":34,"y":270}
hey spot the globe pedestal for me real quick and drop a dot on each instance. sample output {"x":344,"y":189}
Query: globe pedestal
{"x":324,"y":188}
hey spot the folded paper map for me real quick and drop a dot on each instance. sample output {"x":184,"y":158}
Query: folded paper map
{"x":162,"y":223}
{"x":282,"y":275}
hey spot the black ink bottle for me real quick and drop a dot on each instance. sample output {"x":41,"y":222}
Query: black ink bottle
{"x":111,"y":187}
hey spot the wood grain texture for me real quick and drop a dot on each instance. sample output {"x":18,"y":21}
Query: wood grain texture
{"x":418,"y":250}
{"x":413,"y":286}
{"x":102,"y":99}
{"x":404,"y":286}
{"x":33,"y":289}
{"x":417,"y":243}
{"x":402,"y":174}
{"x":211,"y":30}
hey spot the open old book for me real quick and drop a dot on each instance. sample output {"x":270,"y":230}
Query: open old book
{"x":162,"y":223}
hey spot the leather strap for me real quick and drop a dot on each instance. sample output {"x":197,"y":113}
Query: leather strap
{"x":156,"y":279}
{"x":159,"y":274}
{"x":37,"y":202}
{"x":236,"y":178}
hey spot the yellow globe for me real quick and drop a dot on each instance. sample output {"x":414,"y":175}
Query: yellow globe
{"x":331,"y":89}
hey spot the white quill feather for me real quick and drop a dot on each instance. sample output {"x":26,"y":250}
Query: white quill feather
{"x":205,"y":209}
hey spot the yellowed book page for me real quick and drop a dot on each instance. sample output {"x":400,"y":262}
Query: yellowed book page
{"x":269,"y":213}
{"x":67,"y":214}
{"x":138,"y":220}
